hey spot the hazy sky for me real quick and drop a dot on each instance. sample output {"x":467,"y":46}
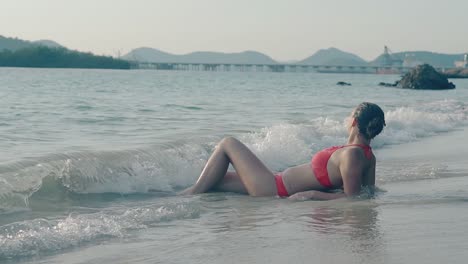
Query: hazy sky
{"x":283,"y":29}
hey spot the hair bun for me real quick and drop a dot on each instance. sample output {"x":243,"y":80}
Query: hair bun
{"x":371,"y":119}
{"x":374,"y":127}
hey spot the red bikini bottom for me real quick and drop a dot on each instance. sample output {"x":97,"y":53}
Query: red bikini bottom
{"x":281,"y":189}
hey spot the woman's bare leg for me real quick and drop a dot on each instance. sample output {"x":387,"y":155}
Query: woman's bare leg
{"x":256,"y":177}
{"x":214,"y":170}
{"x":231,"y":182}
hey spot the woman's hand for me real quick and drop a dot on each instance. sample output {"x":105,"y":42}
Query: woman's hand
{"x":302,"y":196}
{"x":315,"y":195}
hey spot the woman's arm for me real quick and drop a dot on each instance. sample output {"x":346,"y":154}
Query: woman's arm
{"x":369,"y":179}
{"x":315,"y":195}
{"x":352,"y":169}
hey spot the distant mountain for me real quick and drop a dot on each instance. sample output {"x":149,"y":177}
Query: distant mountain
{"x":330,"y":56}
{"x":154,"y":55}
{"x":421,"y":57}
{"x":288,"y":62}
{"x":16,"y":52}
{"x":14,"y":44}
{"x":334,"y":56}
{"x":40,"y":56}
{"x":48,"y":43}
{"x":148,"y":55}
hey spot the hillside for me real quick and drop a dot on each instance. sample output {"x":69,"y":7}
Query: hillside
{"x":16,"y":52}
{"x":16,"y":43}
{"x":48,"y":43}
{"x":45,"y":57}
{"x":13,"y":43}
{"x":154,"y":55}
{"x":334,"y":56}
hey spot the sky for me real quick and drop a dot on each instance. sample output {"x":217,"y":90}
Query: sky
{"x":286,"y":30}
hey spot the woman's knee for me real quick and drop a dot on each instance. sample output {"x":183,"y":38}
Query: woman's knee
{"x":228,"y":141}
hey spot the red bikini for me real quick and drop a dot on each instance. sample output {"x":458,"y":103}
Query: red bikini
{"x":281,"y":189}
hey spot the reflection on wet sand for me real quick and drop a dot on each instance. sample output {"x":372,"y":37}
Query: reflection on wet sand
{"x":336,"y":231}
{"x":357,"y":221}
{"x":238,"y":212}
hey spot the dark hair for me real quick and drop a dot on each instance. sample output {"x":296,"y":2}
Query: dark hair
{"x":370,"y":119}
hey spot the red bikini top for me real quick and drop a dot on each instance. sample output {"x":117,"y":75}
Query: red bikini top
{"x":320,"y":160}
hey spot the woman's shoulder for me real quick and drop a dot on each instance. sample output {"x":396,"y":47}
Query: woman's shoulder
{"x":357,"y":152}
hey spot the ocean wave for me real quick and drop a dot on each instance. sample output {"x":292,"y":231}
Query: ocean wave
{"x":157,"y":169}
{"x":32,"y":237}
{"x":174,"y":166}
{"x":407,"y":124}
{"x":183,"y":107}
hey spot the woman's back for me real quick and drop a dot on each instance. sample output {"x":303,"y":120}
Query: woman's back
{"x":324,"y":171}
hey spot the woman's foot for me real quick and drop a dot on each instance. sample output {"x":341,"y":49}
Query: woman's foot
{"x":188,"y":191}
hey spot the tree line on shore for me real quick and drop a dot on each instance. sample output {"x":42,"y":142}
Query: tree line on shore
{"x":50,"y":57}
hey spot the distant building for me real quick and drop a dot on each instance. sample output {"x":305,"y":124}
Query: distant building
{"x":463,"y":63}
{"x":388,"y":59}
{"x":410,"y":61}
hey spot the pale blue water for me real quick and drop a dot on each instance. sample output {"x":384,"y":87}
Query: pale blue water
{"x":90,"y":161}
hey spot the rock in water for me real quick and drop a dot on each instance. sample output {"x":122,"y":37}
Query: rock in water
{"x":343,"y":83}
{"x":424,"y":77}
{"x":387,"y":84}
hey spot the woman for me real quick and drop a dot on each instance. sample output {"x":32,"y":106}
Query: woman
{"x":349,"y":167}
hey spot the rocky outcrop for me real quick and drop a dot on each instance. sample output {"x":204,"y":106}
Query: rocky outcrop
{"x":343,"y":83}
{"x":423,"y":77}
{"x":387,"y":84}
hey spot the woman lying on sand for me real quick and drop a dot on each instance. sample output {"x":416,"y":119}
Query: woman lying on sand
{"x":347,"y":167}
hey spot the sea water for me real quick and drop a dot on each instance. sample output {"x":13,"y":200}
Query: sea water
{"x":90,"y":161}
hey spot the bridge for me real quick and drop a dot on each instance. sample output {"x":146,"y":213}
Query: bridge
{"x":385,"y":69}
{"x":389,"y":64}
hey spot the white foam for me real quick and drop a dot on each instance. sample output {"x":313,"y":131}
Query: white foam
{"x":407,"y":124}
{"x":284,"y":145}
{"x":31,"y":237}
